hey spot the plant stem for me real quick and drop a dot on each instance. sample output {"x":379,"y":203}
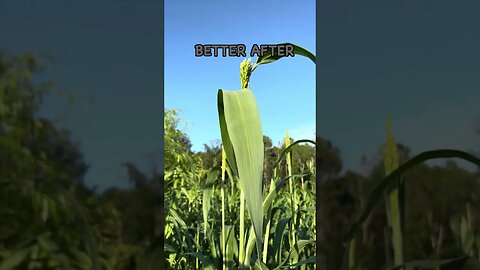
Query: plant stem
{"x":391,"y":162}
{"x":249,"y":248}
{"x":292,"y":195}
{"x":267,"y":229}
{"x":352,"y":255}
{"x":224,"y":164}
{"x":241,"y":256}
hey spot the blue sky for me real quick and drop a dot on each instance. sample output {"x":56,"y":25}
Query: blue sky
{"x":106,"y":55}
{"x":285,"y":90}
{"x":414,"y":61}
{"x":417,"y":62}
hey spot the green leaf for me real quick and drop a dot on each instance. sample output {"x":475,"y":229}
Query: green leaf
{"x":312,"y":259}
{"x":207,"y":195}
{"x":392,"y":179}
{"x":267,"y":202}
{"x":289,"y":149}
{"x":180,"y":226}
{"x":207,"y":263}
{"x":169,"y":248}
{"x":231,"y":245}
{"x":295,"y":251}
{"x":259,"y":265}
{"x":83,"y":261}
{"x":467,"y":236}
{"x":46,"y":243}
{"x":278,"y":238}
{"x":395,"y":208}
{"x":269,"y":58}
{"x":352,"y":258}
{"x":224,"y":132}
{"x":15,"y":259}
{"x":455,"y":227}
{"x":87,"y":234}
{"x":242,"y":138}
{"x":44,"y":210}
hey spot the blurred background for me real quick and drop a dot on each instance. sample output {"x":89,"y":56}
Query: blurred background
{"x":80,"y":133}
{"x":417,"y":63}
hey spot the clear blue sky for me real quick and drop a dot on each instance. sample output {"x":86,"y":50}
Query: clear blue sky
{"x":285,"y":90}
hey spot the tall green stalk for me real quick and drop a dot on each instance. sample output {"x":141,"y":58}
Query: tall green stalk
{"x":224,"y":165}
{"x":352,"y":255}
{"x":197,"y":241}
{"x":241,"y":255}
{"x":267,"y":229}
{"x":292,"y":195}
{"x":393,"y":207}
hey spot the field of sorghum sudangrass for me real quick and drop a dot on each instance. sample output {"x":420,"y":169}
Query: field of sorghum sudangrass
{"x":392,"y":194}
{"x":247,"y":209}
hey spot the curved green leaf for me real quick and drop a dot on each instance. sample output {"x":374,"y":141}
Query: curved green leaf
{"x":269,"y":58}
{"x":90,"y":242}
{"x":278,"y":239}
{"x":267,"y":202}
{"x":231,"y":245}
{"x":394,"y":207}
{"x":312,"y":259}
{"x":207,"y":195}
{"x":15,"y":259}
{"x":207,"y":263}
{"x":300,"y":245}
{"x":259,"y":265}
{"x":289,"y":149}
{"x":377,"y":192}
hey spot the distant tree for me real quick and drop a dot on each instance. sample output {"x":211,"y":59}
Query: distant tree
{"x":33,"y":147}
{"x":329,"y":163}
{"x":53,"y":219}
{"x":211,"y":155}
{"x":270,"y":157}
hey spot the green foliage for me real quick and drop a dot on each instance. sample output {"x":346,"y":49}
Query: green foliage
{"x":281,"y":231}
{"x":40,"y":168}
{"x":436,"y":199}
{"x":208,"y":251}
{"x":48,"y":218}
